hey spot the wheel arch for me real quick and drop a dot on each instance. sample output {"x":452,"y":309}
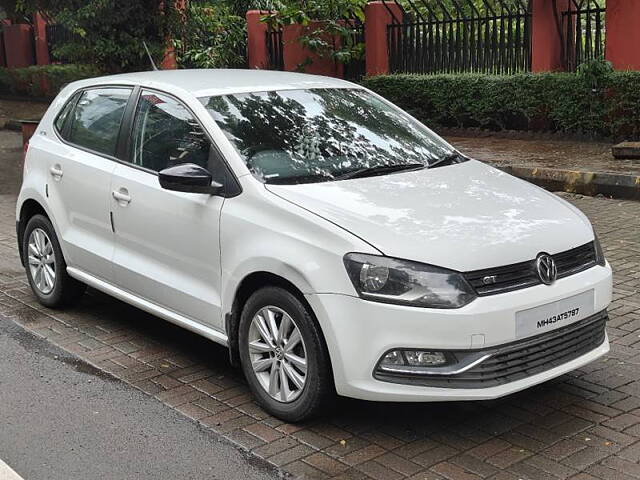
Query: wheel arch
{"x":245,"y":288}
{"x":28,"y":209}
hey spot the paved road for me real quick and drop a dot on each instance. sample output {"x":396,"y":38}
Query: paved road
{"x":582,"y":426}
{"x":63,"y":419}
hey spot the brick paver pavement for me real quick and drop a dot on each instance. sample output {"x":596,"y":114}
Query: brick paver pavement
{"x":582,"y":426}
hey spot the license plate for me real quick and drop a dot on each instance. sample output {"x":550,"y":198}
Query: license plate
{"x":554,"y":315}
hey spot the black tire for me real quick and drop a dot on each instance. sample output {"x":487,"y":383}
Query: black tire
{"x":318,"y":390}
{"x":66,"y":290}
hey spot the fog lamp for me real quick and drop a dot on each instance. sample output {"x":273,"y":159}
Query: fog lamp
{"x":425,"y":359}
{"x":414,"y":358}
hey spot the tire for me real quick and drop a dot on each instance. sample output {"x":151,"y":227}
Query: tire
{"x":318,"y":389}
{"x":61,"y":289}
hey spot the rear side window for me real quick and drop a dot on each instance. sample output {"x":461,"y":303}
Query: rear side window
{"x":95,"y":122}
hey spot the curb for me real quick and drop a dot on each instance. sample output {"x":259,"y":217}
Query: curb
{"x":586,"y":183}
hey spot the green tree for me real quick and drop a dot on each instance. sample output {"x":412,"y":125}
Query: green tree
{"x":211,"y":36}
{"x":109,"y":33}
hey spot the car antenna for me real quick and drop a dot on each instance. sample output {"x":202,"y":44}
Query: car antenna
{"x":153,"y":64}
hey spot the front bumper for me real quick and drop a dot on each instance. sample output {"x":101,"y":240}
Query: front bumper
{"x":359,"y":332}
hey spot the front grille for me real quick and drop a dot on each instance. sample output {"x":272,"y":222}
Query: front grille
{"x":522,"y":275}
{"x":518,"y":360}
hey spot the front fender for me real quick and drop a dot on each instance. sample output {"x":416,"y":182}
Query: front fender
{"x":261,"y":232}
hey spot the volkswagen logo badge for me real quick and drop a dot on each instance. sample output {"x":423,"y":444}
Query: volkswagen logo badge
{"x":546,"y":267}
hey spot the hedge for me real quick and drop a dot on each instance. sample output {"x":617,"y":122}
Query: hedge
{"x":43,"y":81}
{"x":607,"y":106}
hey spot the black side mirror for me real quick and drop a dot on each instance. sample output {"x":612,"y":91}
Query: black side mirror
{"x":189,"y":177}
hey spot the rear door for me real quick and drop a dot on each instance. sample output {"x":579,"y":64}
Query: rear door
{"x":167,"y":243}
{"x":79,"y":171}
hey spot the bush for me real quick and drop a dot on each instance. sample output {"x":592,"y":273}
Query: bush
{"x":595,"y":102}
{"x":42,"y":81}
{"x":211,"y":37}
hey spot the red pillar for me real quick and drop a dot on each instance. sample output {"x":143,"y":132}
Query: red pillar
{"x":623,"y":34}
{"x":18,"y":45}
{"x":377,"y":17}
{"x":40,"y":38}
{"x":546,"y":41}
{"x":257,"y":54}
{"x":169,"y":61}
{"x":296,"y":56}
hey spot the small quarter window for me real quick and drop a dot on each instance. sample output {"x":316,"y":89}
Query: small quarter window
{"x":95,"y":122}
{"x":64,"y":114}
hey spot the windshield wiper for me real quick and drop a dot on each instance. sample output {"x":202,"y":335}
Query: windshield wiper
{"x":379,"y":169}
{"x":449,"y":159}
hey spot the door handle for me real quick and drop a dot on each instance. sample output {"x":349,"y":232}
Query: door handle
{"x":122,"y":197}
{"x":56,"y":171}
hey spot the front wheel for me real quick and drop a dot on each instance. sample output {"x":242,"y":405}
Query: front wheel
{"x":283,"y":355}
{"x":45,"y":265}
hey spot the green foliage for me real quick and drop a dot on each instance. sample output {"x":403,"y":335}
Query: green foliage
{"x":211,"y":37}
{"x":109,"y":33}
{"x":596,"y":72}
{"x":43,"y":81}
{"x":561,"y":102}
{"x":14,"y":11}
{"x":328,"y":26}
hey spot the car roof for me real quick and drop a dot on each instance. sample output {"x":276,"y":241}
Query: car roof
{"x":207,"y":82}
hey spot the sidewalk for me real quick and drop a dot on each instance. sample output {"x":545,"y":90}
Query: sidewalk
{"x":558,"y":165}
{"x":12,"y":110}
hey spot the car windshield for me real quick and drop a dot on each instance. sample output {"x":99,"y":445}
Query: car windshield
{"x":314,"y":135}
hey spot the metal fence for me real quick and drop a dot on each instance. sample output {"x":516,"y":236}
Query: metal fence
{"x":460,"y":36}
{"x":275,"y":49}
{"x":353,"y":70}
{"x":583,"y":29}
{"x":57,"y":35}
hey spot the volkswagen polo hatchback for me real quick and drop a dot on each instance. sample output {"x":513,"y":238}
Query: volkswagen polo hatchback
{"x":329,"y":240}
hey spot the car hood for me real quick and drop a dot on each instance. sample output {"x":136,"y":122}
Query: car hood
{"x":465,"y":217}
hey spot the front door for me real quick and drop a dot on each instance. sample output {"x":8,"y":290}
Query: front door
{"x":167,"y":243}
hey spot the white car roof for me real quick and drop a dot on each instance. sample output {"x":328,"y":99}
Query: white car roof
{"x":207,"y":82}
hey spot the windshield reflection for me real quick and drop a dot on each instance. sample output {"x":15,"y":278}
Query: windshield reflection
{"x":301,"y":136}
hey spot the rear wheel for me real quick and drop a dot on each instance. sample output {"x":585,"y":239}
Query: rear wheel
{"x":283,"y":355}
{"x":45,"y":265}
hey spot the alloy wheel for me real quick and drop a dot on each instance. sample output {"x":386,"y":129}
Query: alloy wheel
{"x":278,"y":354}
{"x":42,"y":261}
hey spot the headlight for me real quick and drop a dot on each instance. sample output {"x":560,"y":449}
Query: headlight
{"x":390,"y":280}
{"x":600,"y":260}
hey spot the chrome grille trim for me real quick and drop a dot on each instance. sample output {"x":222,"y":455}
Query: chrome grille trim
{"x":523,"y":275}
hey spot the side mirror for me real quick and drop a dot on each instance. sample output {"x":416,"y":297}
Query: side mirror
{"x":190,"y":178}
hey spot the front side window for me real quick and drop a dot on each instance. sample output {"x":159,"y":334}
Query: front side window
{"x":95,"y":122}
{"x":300,"y":136}
{"x":165,"y":134}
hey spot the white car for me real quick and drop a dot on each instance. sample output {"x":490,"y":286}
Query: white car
{"x":331,"y":241}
